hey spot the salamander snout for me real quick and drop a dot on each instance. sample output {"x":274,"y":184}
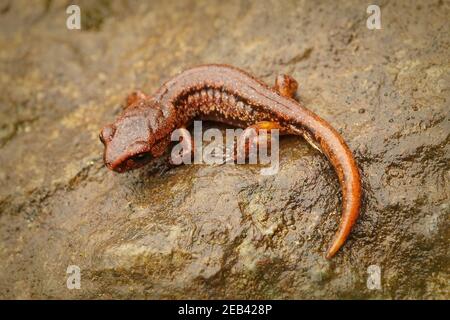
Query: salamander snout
{"x":126,"y":143}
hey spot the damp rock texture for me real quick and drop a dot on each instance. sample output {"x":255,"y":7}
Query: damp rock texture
{"x":204,"y":231}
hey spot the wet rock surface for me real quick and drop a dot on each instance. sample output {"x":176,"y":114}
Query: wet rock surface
{"x":223,"y":231}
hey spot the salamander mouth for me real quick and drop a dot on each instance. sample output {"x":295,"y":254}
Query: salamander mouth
{"x":133,"y":162}
{"x":141,"y":158}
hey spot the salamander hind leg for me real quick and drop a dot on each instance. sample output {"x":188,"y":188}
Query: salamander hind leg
{"x":255,"y":137}
{"x":134,"y":97}
{"x":285,"y":85}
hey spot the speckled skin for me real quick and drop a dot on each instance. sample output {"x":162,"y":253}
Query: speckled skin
{"x":226,"y":94}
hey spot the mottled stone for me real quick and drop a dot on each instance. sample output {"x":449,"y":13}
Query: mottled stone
{"x":223,"y":231}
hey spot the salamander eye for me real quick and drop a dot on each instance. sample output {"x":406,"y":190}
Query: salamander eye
{"x":107,"y":133}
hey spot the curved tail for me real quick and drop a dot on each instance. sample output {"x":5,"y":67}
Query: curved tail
{"x":350,"y":182}
{"x":334,"y":147}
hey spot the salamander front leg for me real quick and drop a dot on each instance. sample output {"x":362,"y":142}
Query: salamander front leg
{"x":134,"y":98}
{"x":285,"y":85}
{"x":184,"y":150}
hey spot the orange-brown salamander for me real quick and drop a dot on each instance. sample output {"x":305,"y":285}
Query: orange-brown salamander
{"x":226,"y":94}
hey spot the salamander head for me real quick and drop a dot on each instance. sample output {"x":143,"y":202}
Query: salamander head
{"x":129,"y":140}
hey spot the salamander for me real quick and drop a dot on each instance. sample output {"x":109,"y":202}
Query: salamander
{"x":229,"y":95}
